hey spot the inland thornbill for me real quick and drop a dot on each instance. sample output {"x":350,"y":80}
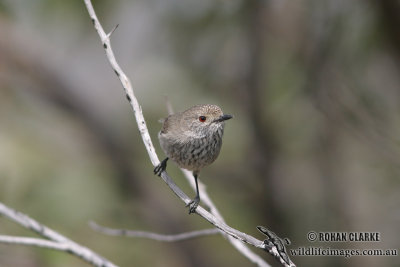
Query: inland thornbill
{"x":192,"y":139}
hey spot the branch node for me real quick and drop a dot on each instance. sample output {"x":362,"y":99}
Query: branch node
{"x":273,"y":241}
{"x":112,"y":31}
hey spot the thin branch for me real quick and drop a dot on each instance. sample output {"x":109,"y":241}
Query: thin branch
{"x":112,"y":31}
{"x":168,"y":105}
{"x":155,"y":236}
{"x":58,"y":241}
{"x":35,"y":242}
{"x":151,"y":151}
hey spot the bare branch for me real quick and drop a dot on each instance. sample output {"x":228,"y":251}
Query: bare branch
{"x":155,"y":236}
{"x":58,"y":241}
{"x":168,"y":105}
{"x":36,"y":242}
{"x":151,"y":151}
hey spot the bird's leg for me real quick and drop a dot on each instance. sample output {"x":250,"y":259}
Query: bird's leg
{"x":161,"y":167}
{"x":195,"y":202}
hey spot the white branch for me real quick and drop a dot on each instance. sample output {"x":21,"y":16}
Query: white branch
{"x":151,"y":151}
{"x":154,"y":236}
{"x":36,"y":242}
{"x":58,"y":241}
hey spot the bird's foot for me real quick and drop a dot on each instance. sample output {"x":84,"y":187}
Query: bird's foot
{"x":161,"y":167}
{"x":193,"y":204}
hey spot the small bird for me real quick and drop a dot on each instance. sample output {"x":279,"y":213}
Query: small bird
{"x":192,"y":139}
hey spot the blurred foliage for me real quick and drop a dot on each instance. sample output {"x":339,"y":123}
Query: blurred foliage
{"x":314,"y":145}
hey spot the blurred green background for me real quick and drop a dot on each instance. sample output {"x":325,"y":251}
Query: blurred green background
{"x":314,"y":87}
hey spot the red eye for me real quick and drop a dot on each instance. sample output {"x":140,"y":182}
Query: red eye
{"x":202,"y":118}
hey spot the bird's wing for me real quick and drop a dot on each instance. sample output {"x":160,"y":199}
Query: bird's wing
{"x":167,"y":124}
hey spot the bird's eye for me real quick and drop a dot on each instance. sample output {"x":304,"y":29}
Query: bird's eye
{"x":202,"y":118}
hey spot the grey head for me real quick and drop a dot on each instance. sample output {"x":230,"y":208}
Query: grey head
{"x":195,"y":122}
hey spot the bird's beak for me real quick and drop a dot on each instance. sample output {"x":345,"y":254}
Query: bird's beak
{"x":224,"y":118}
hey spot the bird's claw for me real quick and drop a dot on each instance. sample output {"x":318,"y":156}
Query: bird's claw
{"x":160,"y":167}
{"x":193,"y":204}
